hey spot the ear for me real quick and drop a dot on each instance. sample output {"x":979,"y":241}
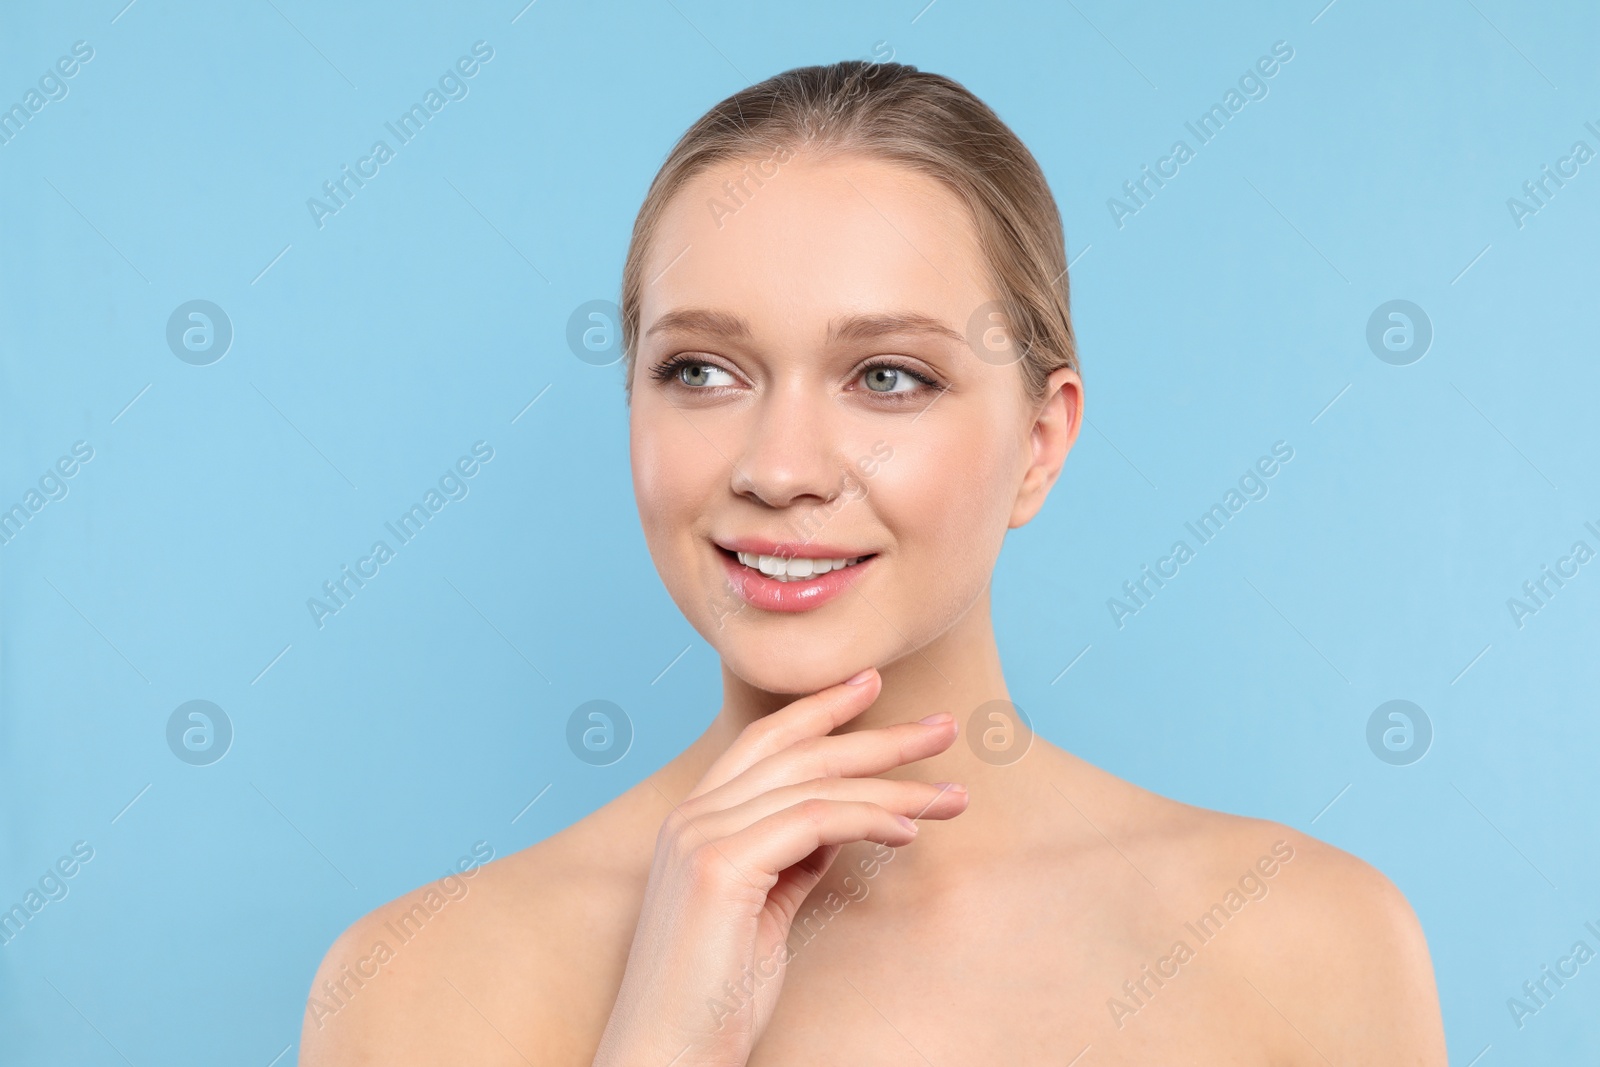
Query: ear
{"x":1055,"y":429}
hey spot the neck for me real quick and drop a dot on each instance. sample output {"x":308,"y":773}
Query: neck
{"x":957,"y":673}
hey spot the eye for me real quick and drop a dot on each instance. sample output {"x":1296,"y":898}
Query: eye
{"x":896,"y":380}
{"x":703,"y":375}
{"x":691,"y":373}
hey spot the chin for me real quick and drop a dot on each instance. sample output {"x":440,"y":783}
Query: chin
{"x":777,"y":669}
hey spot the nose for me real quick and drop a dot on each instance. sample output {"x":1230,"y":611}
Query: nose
{"x":790,"y":454}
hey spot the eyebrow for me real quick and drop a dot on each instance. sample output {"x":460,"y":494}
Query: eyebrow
{"x":727,"y":326}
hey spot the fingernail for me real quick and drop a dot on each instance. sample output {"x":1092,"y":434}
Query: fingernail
{"x":907,"y":823}
{"x":859,"y":677}
{"x":935,"y":720}
{"x":951,"y":787}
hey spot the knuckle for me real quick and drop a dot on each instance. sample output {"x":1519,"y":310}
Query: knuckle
{"x":823,"y":786}
{"x":702,"y":864}
{"x":906,"y":745}
{"x":755,"y":730}
{"x":674,"y":824}
{"x":762,"y":733}
{"x":678,"y":834}
{"x":813,"y":811}
{"x":816,"y":756}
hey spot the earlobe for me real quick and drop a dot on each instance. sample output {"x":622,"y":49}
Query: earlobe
{"x":1055,"y":430}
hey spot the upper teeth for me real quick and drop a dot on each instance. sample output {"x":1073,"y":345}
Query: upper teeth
{"x":791,"y":569}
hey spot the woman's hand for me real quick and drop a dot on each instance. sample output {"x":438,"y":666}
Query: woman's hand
{"x":734,"y":862}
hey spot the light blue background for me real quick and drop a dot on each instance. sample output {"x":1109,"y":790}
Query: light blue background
{"x":1228,"y":314}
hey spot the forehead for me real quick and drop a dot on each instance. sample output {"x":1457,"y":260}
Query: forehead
{"x":795,"y":244}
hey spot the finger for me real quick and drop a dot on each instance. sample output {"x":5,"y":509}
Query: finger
{"x":811,"y":716}
{"x":765,"y":848}
{"x":855,"y":755}
{"x":799,"y":879}
{"x":913,"y":799}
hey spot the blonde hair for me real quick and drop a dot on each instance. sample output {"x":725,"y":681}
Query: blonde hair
{"x":925,"y":122}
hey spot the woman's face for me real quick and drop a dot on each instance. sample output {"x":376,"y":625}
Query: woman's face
{"x":804,"y":387}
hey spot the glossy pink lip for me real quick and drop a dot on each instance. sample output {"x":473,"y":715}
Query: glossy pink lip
{"x":769,"y":594}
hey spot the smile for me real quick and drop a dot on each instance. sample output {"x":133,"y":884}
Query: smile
{"x":795,"y":568}
{"x":790,"y":582}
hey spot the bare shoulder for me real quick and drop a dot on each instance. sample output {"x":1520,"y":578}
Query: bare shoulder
{"x":1344,"y":956}
{"x":1327,"y":942}
{"x":496,"y":963}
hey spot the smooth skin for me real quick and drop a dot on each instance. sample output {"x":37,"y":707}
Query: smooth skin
{"x":1032,"y":898}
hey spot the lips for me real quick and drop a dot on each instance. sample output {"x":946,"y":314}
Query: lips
{"x":796,"y":593}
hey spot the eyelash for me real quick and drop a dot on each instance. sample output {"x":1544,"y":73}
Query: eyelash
{"x":668,"y":371}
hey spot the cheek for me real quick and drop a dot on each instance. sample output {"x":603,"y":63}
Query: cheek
{"x":667,"y":471}
{"x":676,"y":476}
{"x":947,"y":498}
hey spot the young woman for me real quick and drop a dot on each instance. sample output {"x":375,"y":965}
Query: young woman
{"x":850,"y":370}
